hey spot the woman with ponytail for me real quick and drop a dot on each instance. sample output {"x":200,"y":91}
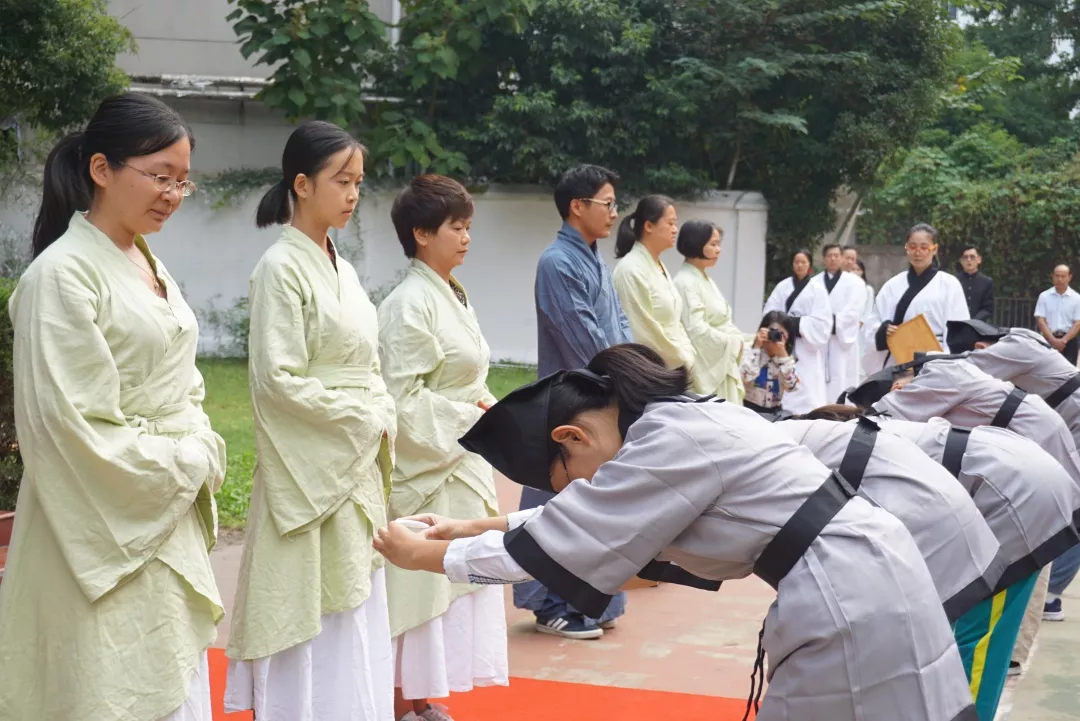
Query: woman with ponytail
{"x":646,"y":289}
{"x":310,"y":635}
{"x":109,"y":602}
{"x":663,"y":478}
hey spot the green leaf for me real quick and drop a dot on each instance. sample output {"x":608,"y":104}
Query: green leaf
{"x":303,"y":57}
{"x":320,"y":29}
{"x":238,"y":12}
{"x":298,"y":97}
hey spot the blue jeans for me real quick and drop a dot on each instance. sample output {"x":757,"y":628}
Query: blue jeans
{"x":1063,"y":570}
{"x":533,"y":596}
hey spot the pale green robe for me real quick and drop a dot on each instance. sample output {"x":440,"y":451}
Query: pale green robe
{"x":717,"y":342}
{"x":435,"y":362}
{"x":108,"y":602}
{"x":323,"y":472}
{"x":653,"y":306}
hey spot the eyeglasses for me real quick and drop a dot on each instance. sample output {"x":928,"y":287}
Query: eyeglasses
{"x":164,"y":183}
{"x":919,"y":248}
{"x":611,"y":205}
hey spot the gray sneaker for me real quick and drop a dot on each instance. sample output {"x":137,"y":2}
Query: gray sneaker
{"x":435,"y":713}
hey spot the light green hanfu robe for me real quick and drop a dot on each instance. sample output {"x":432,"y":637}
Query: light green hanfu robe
{"x":718,"y":344}
{"x":324,"y":430}
{"x":108,"y":602}
{"x":435,"y":362}
{"x":653,"y":306}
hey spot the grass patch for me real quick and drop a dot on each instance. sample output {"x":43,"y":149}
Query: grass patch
{"x":228,"y":403}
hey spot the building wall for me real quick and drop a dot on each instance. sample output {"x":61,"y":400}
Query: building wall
{"x":192,"y":37}
{"x":212,"y":253}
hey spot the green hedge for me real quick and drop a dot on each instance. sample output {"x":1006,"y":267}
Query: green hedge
{"x":1024,"y":223}
{"x":10,"y":463}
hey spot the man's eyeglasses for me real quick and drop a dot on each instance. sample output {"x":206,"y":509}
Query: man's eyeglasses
{"x":164,"y":183}
{"x":611,"y":205}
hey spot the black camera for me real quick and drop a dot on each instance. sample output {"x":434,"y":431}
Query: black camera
{"x":775,"y":335}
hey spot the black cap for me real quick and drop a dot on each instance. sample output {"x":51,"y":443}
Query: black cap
{"x":513,"y":435}
{"x":778,"y":414}
{"x":875,"y":387}
{"x":962,"y":335}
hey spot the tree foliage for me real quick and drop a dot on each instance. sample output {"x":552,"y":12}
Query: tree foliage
{"x":795,"y":98}
{"x":58,"y":60}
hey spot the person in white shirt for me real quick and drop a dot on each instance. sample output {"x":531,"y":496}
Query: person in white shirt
{"x":919,"y":290}
{"x":847,"y":297}
{"x":1058,"y":314}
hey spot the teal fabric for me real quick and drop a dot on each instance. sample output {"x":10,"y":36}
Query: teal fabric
{"x":988,"y":666}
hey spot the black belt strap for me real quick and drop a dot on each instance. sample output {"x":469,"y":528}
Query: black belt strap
{"x":1008,"y":408}
{"x":1067,"y":389}
{"x":859,"y":450}
{"x":955,"y":448}
{"x":794,"y":538}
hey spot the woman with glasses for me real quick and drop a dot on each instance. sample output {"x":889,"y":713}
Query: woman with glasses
{"x":109,"y":602}
{"x":921,"y":289}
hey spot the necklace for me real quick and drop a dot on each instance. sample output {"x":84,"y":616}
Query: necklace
{"x":148,"y":274}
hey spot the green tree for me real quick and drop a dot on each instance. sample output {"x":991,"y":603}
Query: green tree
{"x":58,"y":60}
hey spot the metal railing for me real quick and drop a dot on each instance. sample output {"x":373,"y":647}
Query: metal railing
{"x":1015,"y":312}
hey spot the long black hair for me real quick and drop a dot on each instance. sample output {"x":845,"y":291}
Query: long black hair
{"x":124,"y":126}
{"x":307,"y":151}
{"x":650,"y":209}
{"x":783,"y":320}
{"x":637,"y":376}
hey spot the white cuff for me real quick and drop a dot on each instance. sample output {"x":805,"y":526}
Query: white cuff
{"x":517,"y":518}
{"x":483,"y":560}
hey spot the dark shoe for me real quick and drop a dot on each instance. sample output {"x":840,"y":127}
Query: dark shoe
{"x":1052,"y":611}
{"x":1015,"y":669}
{"x":571,"y":625}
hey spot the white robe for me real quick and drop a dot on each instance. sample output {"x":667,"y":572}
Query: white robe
{"x":815,"y":329}
{"x":940,"y":301}
{"x":860,"y":344}
{"x":847,"y":300}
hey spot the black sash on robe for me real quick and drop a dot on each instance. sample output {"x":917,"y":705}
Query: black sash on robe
{"x":800,"y":286}
{"x":916,"y":284}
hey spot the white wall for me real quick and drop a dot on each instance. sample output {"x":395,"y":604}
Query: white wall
{"x":192,"y":37}
{"x":212,"y":252}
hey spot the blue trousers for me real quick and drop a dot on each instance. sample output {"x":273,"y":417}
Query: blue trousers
{"x":532,"y":595}
{"x":1063,"y":570}
{"x":986,"y":635}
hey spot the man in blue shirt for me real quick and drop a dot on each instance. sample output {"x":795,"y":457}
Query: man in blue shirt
{"x":577,"y":316}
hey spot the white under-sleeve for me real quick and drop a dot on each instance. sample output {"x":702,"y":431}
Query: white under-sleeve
{"x":516,"y":518}
{"x":483,"y":559}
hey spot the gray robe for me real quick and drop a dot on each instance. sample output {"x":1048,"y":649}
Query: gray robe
{"x":960,"y":549}
{"x":1026,"y":497}
{"x":954,"y":389}
{"x":1022,"y":357}
{"x":856,"y":633}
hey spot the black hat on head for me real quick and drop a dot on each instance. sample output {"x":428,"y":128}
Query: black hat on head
{"x":962,"y":335}
{"x":874,"y":388}
{"x":513,"y":435}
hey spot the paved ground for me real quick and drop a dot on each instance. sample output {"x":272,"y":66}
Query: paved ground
{"x":679,"y":639}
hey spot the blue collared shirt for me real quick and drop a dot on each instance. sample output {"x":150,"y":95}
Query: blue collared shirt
{"x":577,"y":310}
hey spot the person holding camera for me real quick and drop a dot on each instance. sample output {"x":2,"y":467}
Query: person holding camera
{"x":768,"y":368}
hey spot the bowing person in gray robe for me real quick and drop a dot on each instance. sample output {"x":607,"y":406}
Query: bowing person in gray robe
{"x":1022,"y":357}
{"x":694,"y":490}
{"x":961,"y":552}
{"x":952,"y":388}
{"x":1027,"y":498}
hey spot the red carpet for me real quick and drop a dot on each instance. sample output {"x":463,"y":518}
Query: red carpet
{"x":531,"y":700}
